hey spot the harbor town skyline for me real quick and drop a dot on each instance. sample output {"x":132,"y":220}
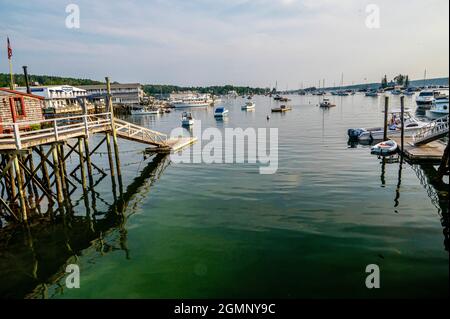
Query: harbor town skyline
{"x":254,"y":42}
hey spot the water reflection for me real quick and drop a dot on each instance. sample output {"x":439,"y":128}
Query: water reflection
{"x":34,"y":257}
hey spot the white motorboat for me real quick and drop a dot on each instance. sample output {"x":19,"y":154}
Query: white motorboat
{"x":439,"y":108}
{"x":412,"y":126}
{"x":425,"y":99}
{"x":187,"y":119}
{"x":327,"y":103}
{"x":249,"y":106}
{"x":144,"y":111}
{"x":385,"y":148}
{"x":220,"y":112}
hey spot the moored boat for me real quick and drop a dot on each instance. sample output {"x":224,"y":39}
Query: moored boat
{"x":220,"y":112}
{"x":187,"y":119}
{"x":249,"y":106}
{"x":144,"y":111}
{"x":326,"y":103}
{"x":281,"y":109}
{"x":385,"y":148}
{"x":412,"y":126}
{"x":439,"y":108}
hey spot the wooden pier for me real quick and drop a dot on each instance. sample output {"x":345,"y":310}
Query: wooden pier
{"x":430,"y":152}
{"x":25,"y":182}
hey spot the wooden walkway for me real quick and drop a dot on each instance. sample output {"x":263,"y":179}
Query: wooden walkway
{"x":65,"y":128}
{"x":431,"y":152}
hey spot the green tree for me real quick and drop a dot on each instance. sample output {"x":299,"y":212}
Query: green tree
{"x":400,"y":79}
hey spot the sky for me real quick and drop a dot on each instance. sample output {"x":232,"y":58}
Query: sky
{"x":241,"y":42}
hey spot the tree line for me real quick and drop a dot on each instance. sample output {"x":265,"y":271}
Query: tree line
{"x":19,"y":79}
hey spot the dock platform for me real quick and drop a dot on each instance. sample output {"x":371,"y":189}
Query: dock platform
{"x":431,"y":152}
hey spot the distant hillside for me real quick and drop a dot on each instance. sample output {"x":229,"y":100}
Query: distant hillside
{"x":415,"y":83}
{"x":155,"y":89}
{"x":19,"y":79}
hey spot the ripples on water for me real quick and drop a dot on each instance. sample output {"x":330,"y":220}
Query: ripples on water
{"x":224,"y":230}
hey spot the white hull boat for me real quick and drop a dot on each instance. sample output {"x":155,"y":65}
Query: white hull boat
{"x":439,"y":108}
{"x":249,"y":106}
{"x":187,"y":119}
{"x":144,"y":111}
{"x":220,"y":112}
{"x":412,"y":126}
{"x":385,"y":148}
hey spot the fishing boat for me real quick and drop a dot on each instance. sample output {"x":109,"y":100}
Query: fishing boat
{"x":220,"y":112}
{"x":439,"y":108}
{"x":187,"y":119}
{"x":385,"y":148}
{"x":144,"y":111}
{"x":249,"y":106}
{"x":412,"y":126}
{"x":326,"y":103}
{"x":281,"y":109}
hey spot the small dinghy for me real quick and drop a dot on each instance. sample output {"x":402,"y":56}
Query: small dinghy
{"x":187,"y":119}
{"x":385,"y":148}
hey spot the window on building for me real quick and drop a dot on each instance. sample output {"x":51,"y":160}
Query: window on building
{"x":19,"y":106}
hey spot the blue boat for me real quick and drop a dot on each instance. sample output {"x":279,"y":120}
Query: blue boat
{"x":220,"y":112}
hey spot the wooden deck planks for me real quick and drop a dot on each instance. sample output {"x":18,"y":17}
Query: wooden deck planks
{"x":431,"y":152}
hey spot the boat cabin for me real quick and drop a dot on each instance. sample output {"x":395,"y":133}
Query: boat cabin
{"x":19,"y":107}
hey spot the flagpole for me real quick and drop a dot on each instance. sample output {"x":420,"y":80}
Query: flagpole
{"x":11,"y":75}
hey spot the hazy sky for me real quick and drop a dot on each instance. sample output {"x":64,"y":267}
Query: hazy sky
{"x":241,"y":42}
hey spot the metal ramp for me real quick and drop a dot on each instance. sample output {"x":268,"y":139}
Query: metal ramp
{"x":433,"y":131}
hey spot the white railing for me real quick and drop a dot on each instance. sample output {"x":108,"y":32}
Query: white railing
{"x":83,"y":125}
{"x":55,"y":129}
{"x":434,"y":129}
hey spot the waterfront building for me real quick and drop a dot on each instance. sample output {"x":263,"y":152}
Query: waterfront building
{"x":125,"y":94}
{"x":17,"y":107}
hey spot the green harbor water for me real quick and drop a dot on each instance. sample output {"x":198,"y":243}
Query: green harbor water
{"x":226,"y":231}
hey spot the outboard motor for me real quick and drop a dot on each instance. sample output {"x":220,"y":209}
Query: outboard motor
{"x":354,"y":134}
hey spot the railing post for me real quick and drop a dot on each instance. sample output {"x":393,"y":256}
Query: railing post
{"x":86,"y":126}
{"x":17,"y":136}
{"x":55,"y":128}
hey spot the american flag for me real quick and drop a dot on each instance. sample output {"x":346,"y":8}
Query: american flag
{"x":9,"y":50}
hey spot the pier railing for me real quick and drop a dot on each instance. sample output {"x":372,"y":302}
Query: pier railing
{"x":433,"y":131}
{"x":27,"y":134}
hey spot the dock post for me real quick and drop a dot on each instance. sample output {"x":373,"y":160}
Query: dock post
{"x":44,"y":169}
{"x":113,"y":128}
{"x":57,"y":174}
{"x":111,"y":163}
{"x":402,"y":106}
{"x":83,"y":172}
{"x":20,"y":190}
{"x":13,"y":179}
{"x":386,"y":110}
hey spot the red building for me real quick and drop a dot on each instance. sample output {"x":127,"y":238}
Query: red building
{"x":18,"y":107}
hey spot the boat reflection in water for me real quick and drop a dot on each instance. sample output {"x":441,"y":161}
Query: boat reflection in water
{"x":435,"y":188}
{"x":33,"y":259}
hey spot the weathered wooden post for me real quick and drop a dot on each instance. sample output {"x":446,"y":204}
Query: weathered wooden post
{"x":113,"y":128}
{"x":402,"y":115}
{"x":386,"y":110}
{"x":83,"y":172}
{"x":57,"y":174}
{"x":20,"y":190}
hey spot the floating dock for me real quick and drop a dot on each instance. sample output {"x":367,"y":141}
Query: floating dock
{"x":431,"y":152}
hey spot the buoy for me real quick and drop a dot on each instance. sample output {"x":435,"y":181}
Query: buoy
{"x":268,"y":117}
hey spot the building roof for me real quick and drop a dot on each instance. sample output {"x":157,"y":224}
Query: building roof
{"x":113,"y":86}
{"x":4,"y":91}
